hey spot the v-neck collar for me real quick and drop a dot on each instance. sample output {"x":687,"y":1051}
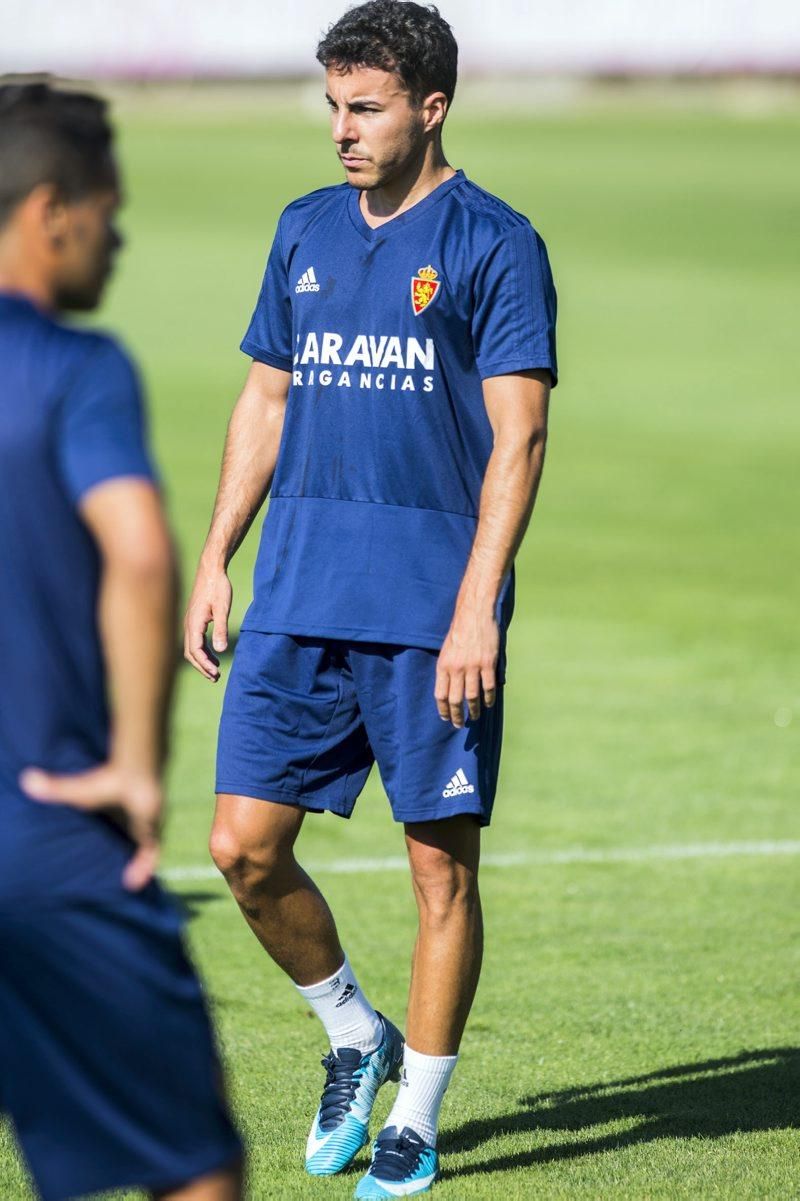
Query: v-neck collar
{"x":22,"y":300}
{"x":370,"y":234}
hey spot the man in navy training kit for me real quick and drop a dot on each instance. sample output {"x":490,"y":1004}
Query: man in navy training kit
{"x":108,"y":1069}
{"x":395,"y":410}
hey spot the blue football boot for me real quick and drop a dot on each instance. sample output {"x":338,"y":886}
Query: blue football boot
{"x":402,"y":1165}
{"x":340,"y":1130}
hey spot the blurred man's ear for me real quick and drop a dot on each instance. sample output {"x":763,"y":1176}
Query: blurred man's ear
{"x":42,"y":215}
{"x":54,"y":216}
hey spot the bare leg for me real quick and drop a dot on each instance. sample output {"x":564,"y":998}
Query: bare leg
{"x":252,"y":843}
{"x":444,"y":857}
{"x":217,"y":1186}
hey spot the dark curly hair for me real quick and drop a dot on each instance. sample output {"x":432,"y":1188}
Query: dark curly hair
{"x":412,"y":40}
{"x":51,"y":135}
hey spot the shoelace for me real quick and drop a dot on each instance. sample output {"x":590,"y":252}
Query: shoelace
{"x":341,"y":1082}
{"x":396,"y":1158}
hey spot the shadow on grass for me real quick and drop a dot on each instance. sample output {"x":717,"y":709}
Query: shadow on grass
{"x":191,"y":903}
{"x":755,"y":1090}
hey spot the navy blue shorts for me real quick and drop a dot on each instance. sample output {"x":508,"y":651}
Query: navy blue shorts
{"x":304,"y":720}
{"x":107,"y":1064}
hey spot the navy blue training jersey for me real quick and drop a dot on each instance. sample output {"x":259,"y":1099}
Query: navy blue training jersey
{"x":388,"y":334}
{"x":70,"y":417}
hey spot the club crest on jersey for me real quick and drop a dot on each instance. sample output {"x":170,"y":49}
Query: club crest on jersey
{"x":425,"y":287}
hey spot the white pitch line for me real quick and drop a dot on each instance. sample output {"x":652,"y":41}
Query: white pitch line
{"x":645,"y":854}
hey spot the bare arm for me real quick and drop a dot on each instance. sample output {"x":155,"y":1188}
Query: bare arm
{"x":137,"y":614}
{"x":248,"y":465}
{"x":137,"y":617}
{"x":517,"y":409}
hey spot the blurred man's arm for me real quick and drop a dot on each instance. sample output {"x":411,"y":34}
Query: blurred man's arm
{"x":517,"y":409}
{"x":248,"y":465}
{"x":136,"y":618}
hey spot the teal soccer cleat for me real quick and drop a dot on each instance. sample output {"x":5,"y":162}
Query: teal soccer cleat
{"x":402,"y":1165}
{"x":340,"y":1126}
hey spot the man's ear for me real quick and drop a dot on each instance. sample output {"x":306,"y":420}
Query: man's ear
{"x":434,"y":109}
{"x":44,"y":212}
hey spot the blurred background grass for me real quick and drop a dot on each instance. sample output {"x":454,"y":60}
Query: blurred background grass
{"x":656,"y":618}
{"x":652,"y":694}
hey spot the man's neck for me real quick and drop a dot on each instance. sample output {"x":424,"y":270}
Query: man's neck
{"x":422,"y":177}
{"x":22,"y":280}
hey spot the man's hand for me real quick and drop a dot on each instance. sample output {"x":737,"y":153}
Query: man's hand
{"x":467,"y":666}
{"x":135,"y":802}
{"x":516,"y":406}
{"x":248,"y":464}
{"x":210,"y":601}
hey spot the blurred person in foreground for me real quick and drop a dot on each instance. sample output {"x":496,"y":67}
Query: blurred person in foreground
{"x":107,"y":1064}
{"x":403,"y":353}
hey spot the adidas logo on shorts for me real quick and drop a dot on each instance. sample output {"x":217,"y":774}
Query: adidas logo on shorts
{"x":307,"y":282}
{"x":458,"y":785}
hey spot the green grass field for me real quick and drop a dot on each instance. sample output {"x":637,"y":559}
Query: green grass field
{"x":635,"y":1033}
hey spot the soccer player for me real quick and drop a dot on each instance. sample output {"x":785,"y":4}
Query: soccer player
{"x":403,"y":352}
{"x":107,"y":1065}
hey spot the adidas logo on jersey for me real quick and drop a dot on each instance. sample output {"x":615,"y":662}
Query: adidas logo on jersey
{"x":458,"y":785}
{"x":307,"y":282}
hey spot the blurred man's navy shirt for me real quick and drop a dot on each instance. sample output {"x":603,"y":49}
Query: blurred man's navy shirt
{"x":70,"y":418}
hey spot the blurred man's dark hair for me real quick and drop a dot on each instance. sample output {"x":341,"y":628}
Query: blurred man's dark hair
{"x":412,"y":40}
{"x":51,"y":135}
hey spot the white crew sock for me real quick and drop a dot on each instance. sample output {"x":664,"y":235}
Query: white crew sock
{"x":422,"y":1088}
{"x":346,"y":1014}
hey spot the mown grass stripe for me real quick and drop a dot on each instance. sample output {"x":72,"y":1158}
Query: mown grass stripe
{"x":395,"y":863}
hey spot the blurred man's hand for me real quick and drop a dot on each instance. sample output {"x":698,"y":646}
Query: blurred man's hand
{"x":134,"y":802}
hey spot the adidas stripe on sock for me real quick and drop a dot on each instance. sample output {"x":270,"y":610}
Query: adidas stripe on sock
{"x":422,"y":1087}
{"x":346,"y":1014}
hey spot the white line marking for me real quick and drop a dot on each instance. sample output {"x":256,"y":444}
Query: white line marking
{"x":397,"y":863}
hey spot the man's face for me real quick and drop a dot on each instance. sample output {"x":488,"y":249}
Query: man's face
{"x":377,"y":130}
{"x":84,"y":249}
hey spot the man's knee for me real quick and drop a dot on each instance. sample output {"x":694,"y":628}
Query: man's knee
{"x":442,"y":884}
{"x":246,"y":865}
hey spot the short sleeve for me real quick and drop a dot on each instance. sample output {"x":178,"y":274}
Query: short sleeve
{"x":101,"y":432}
{"x":514,"y":315}
{"x":269,"y":334}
